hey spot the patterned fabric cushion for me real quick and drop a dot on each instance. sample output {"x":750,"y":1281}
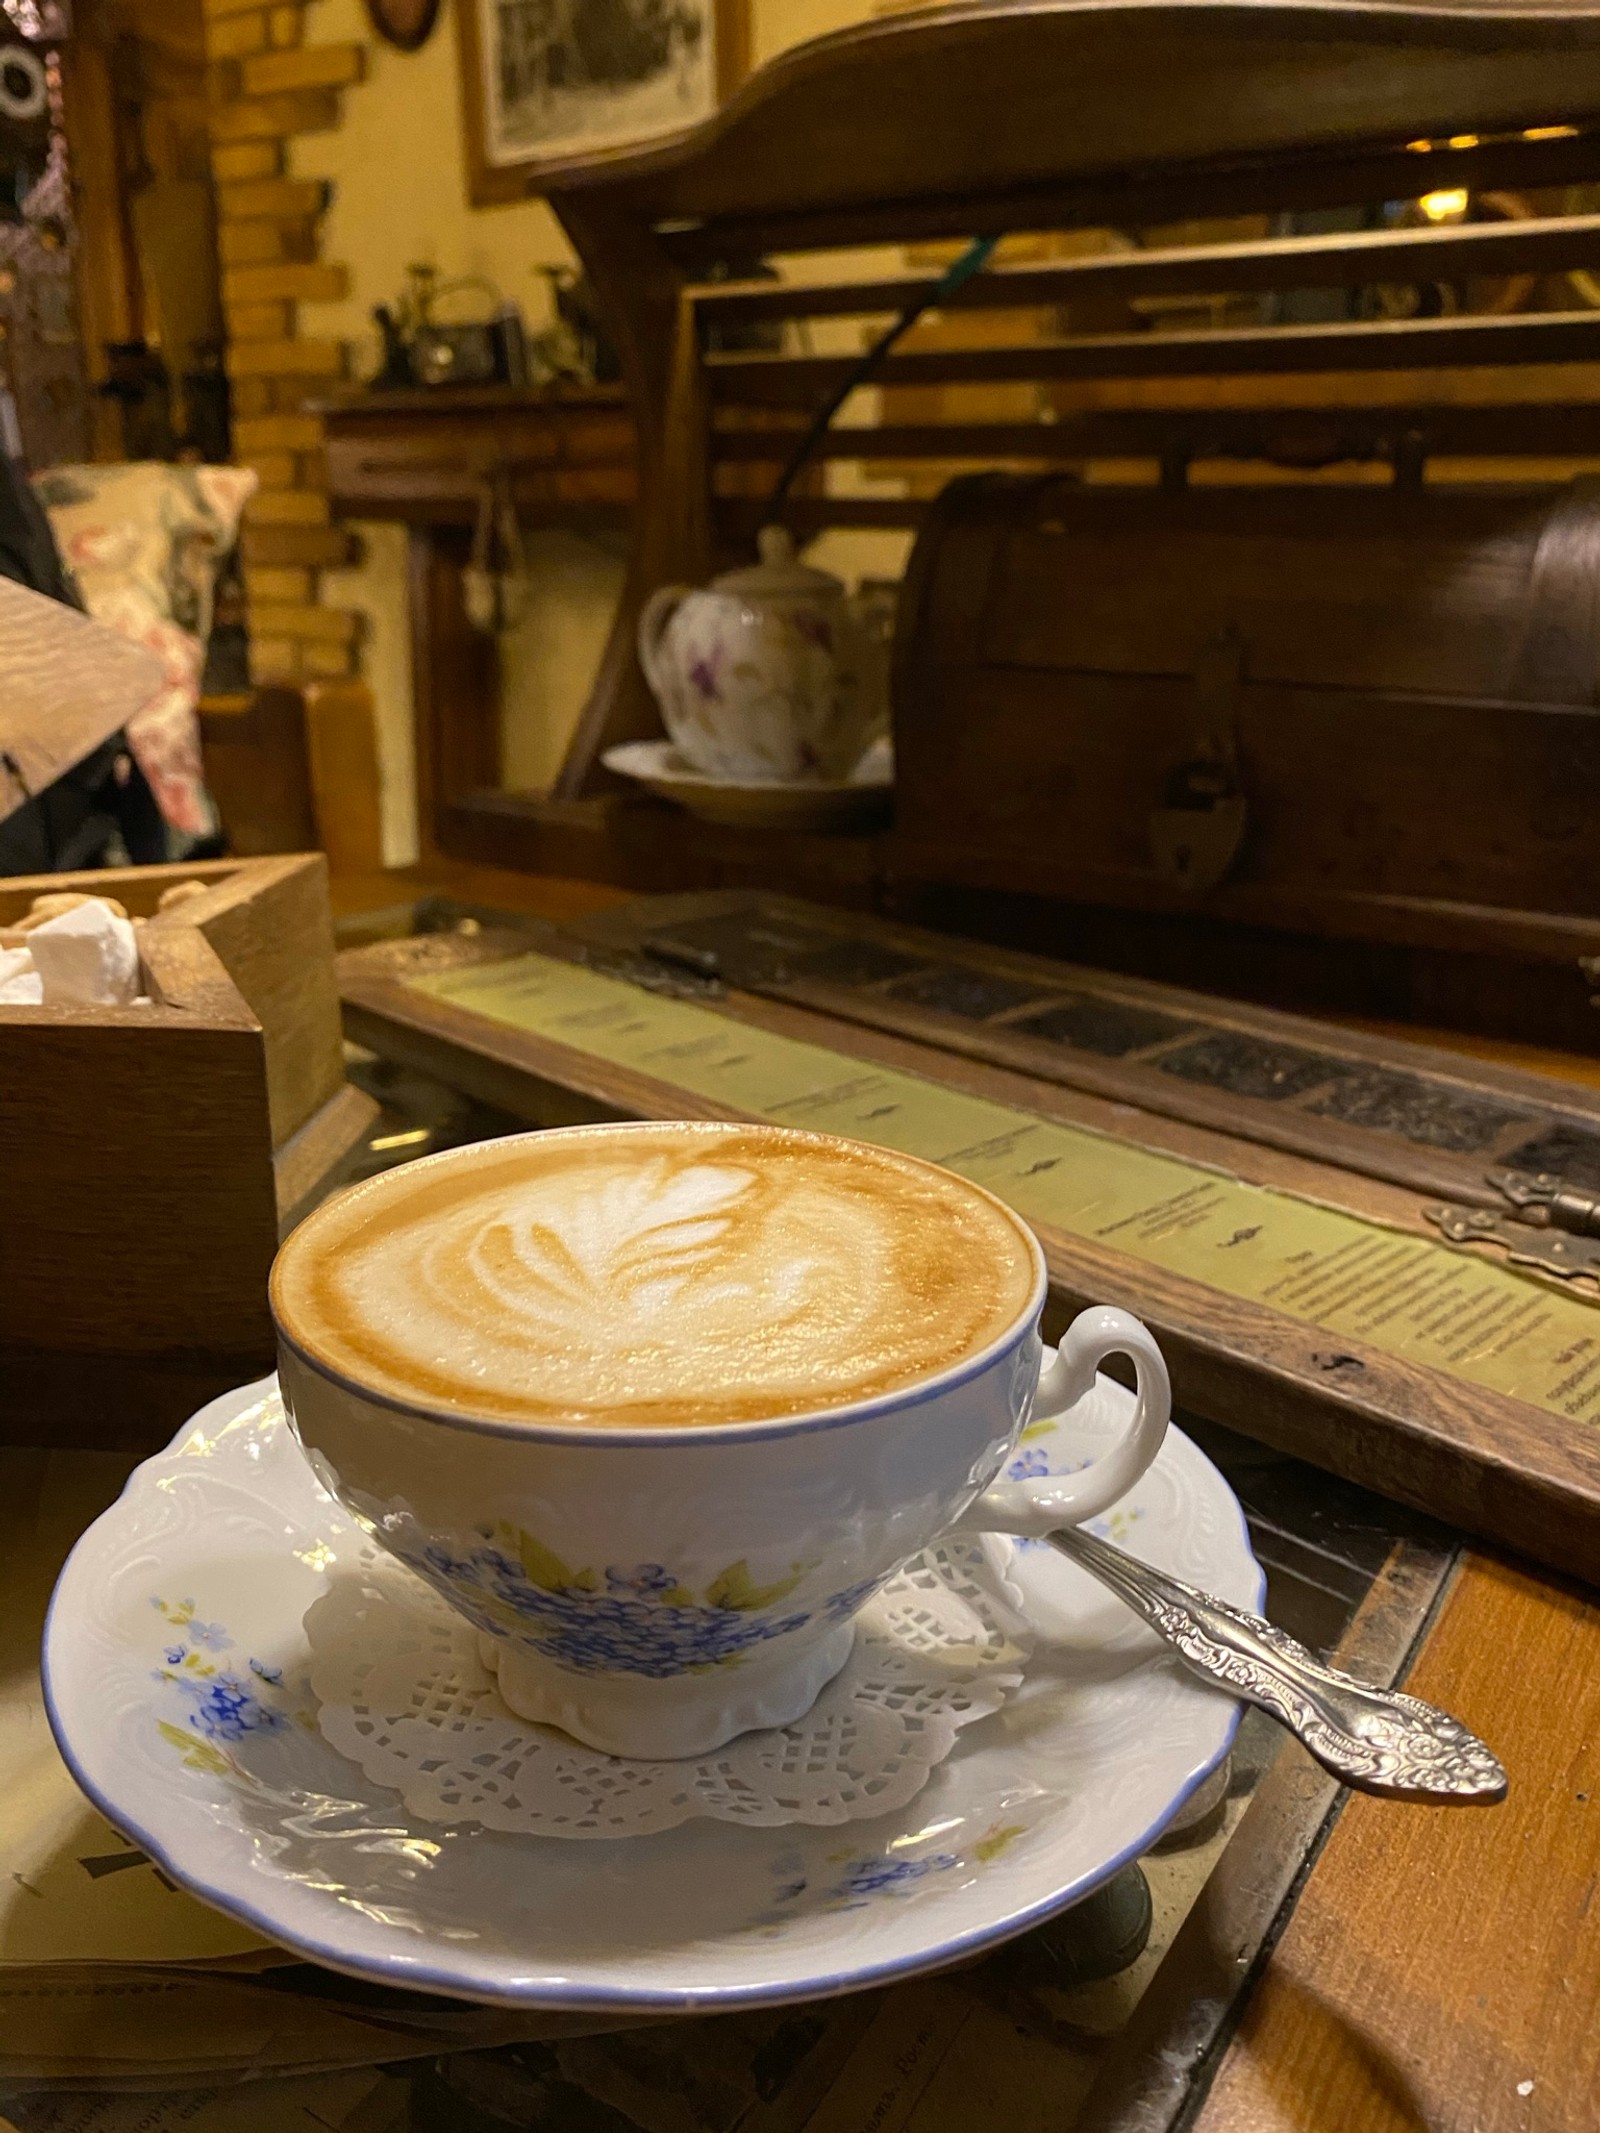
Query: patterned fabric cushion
{"x":144,"y":541}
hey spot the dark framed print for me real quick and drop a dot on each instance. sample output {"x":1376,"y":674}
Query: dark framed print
{"x":406,"y":23}
{"x":547,"y":81}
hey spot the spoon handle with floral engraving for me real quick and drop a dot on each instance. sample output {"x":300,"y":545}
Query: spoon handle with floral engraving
{"x":1375,"y":1740}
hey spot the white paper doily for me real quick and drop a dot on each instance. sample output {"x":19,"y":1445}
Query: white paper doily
{"x":402,"y":1693}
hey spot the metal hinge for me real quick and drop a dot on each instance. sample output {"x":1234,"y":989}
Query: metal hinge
{"x":1552,"y":1226}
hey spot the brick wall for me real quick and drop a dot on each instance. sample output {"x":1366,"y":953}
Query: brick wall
{"x":267,"y":85}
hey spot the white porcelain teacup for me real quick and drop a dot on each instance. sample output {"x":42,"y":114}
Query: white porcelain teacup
{"x":656,"y":1590}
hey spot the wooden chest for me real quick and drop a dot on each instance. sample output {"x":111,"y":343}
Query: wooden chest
{"x":1336,"y":744}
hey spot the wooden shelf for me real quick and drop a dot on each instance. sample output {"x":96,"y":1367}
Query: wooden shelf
{"x":442,"y":401}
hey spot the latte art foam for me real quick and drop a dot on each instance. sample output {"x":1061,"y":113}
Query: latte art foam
{"x":668,"y":1275}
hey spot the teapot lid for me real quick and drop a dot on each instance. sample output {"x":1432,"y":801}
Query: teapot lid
{"x":778,"y":571}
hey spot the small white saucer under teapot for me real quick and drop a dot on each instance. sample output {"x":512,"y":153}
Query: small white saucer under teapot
{"x":858,"y":802}
{"x":768,"y":672}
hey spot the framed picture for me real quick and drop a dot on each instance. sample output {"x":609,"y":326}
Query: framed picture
{"x":407,"y":23}
{"x":547,"y":81}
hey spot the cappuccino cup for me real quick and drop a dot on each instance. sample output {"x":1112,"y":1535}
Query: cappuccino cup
{"x":658,"y":1408}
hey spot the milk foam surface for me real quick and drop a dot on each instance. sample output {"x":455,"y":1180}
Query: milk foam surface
{"x":671,"y":1276}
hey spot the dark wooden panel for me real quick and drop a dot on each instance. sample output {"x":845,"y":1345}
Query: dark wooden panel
{"x":1338,"y":589}
{"x":645,"y":845}
{"x":1296,"y":436}
{"x":1100,"y":916}
{"x":456,"y":678}
{"x":431,"y":471}
{"x":448,"y":403}
{"x":1348,"y":260}
{"x":741,"y":518}
{"x":1125,"y":198}
{"x":186,"y":1215}
{"x":1466,"y":966}
{"x":71,"y":1398}
{"x":258,"y":767}
{"x":1396,"y":784}
{"x":1389,"y":344}
{"x":1351,"y":791}
{"x":426,"y":455}
{"x":1088,"y":91}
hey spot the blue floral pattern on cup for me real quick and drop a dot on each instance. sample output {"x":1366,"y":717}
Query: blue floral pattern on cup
{"x":623,"y":1618}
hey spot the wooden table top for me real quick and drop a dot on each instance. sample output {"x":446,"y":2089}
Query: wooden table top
{"x":538,"y":895}
{"x":1440,"y":1971}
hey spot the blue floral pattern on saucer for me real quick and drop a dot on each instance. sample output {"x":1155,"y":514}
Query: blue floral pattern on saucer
{"x":225,"y":1703}
{"x":855,"y":1879}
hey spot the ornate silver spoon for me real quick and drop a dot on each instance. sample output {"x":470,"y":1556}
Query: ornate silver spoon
{"x":1372,"y":1739}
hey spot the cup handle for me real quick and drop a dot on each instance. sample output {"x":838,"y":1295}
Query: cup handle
{"x":654,"y":616}
{"x":1034,"y":1508}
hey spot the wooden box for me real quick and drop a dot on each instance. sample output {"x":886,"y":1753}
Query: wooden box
{"x":1332,"y":746}
{"x":150,"y":1156}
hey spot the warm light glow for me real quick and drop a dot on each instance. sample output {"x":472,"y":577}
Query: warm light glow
{"x":1472,"y":140}
{"x":1444,"y":207}
{"x":386,"y":1141}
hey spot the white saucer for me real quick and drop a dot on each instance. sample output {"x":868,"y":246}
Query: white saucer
{"x":758,"y":803}
{"x":174,"y":1677}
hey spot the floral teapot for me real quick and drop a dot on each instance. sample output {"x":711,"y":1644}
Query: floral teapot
{"x":768,"y":673}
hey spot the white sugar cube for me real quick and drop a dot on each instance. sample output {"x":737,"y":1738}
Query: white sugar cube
{"x":88,"y":957}
{"x":20,"y":983}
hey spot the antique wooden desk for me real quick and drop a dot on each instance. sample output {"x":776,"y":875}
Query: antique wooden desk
{"x":1346,"y":1964}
